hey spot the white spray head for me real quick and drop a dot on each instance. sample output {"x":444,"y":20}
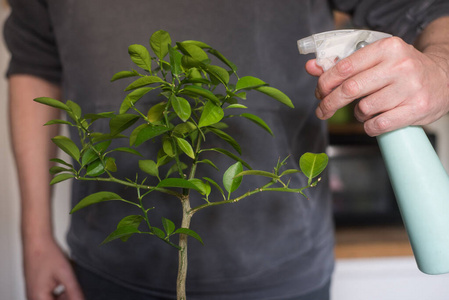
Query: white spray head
{"x":332,"y":46}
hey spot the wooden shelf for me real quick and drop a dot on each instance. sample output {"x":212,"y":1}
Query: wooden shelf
{"x":372,"y":242}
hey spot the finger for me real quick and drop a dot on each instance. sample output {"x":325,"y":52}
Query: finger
{"x":388,"y":121}
{"x":356,"y":87}
{"x":313,"y":69}
{"x":72,"y":289}
{"x":384,"y":99}
{"x":348,"y":67}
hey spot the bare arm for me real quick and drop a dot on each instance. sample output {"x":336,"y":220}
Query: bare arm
{"x":44,"y":263}
{"x":399,"y":84}
{"x":434,"y":41}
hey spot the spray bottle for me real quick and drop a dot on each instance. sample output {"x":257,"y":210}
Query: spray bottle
{"x":419,"y":181}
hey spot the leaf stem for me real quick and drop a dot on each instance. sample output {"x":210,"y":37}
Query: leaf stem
{"x":131,"y":184}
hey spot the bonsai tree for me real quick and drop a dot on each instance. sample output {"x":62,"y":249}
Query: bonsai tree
{"x":199,"y":98}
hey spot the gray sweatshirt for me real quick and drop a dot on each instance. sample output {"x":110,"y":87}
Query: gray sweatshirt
{"x":270,"y":246}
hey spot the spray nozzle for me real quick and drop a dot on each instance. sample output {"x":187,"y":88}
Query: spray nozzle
{"x":332,"y":46}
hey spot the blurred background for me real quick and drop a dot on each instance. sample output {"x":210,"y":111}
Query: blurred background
{"x":374,"y":258}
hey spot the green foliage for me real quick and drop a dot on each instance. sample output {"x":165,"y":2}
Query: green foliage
{"x":313,"y":164}
{"x":200,"y":89}
{"x":231,"y":182}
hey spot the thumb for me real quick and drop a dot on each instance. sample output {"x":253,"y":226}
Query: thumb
{"x":313,"y":69}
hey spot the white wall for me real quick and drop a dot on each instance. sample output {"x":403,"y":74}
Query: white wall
{"x":11,"y":278}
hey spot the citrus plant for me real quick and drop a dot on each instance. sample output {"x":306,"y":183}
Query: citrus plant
{"x":192,"y":111}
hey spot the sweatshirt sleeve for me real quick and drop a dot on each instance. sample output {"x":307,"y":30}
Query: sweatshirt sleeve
{"x":29,"y":36}
{"x":404,"y":18}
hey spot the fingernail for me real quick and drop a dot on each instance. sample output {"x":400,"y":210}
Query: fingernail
{"x":317,"y":94}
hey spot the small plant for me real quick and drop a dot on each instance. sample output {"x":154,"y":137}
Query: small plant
{"x":199,"y":97}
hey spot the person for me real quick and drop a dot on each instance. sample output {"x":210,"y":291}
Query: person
{"x":274,"y":247}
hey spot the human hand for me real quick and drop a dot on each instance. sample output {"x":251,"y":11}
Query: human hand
{"x":46,"y":267}
{"x":397,"y":86}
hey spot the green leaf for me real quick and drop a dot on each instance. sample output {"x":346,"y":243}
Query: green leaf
{"x":131,"y":99}
{"x":230,"y":154}
{"x":203,"y":186}
{"x":99,"y":137}
{"x":60,"y":161}
{"x":219,"y":73}
{"x":123,"y":233}
{"x":159,"y":42}
{"x":143,"y":81}
{"x":52,"y":102}
{"x":249,"y":82}
{"x":57,"y":169}
{"x":61,"y":177}
{"x":223,"y":59}
{"x":181,"y":106}
{"x":230,"y":181}
{"x":156,"y":112}
{"x":131,"y":220}
{"x":215,"y":185}
{"x":189,"y":232}
{"x":140,"y":56}
{"x":157,"y":232}
{"x":169,"y":226}
{"x":208,"y":162}
{"x":193,"y":51}
{"x":258,"y":173}
{"x":127,"y":150}
{"x":226,"y":137}
{"x":185,"y":147}
{"x":199,"y":81}
{"x":56,"y":121}
{"x":199,"y":91}
{"x":211,"y":114}
{"x":146,"y":133}
{"x":289,"y":171}
{"x":175,"y":61}
{"x":96,"y":198}
{"x":177,"y":183}
{"x":68,"y":146}
{"x":124,"y":74}
{"x":175,"y":168}
{"x":110,"y":164}
{"x":189,"y":63}
{"x":103,"y":115}
{"x":75,"y":110}
{"x":236,"y":106}
{"x":121,"y":122}
{"x":200,"y":44}
{"x":184,"y":128}
{"x":258,"y":121}
{"x":167,"y":146}
{"x":95,"y":169}
{"x":313,"y":164}
{"x":276,"y":94}
{"x":163,"y":160}
{"x":149,"y":167}
{"x":91,"y":154}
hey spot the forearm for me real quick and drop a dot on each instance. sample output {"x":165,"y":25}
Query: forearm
{"x":434,"y":40}
{"x":32,"y":150}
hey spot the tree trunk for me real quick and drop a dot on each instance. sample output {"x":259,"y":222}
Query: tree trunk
{"x":182,"y":263}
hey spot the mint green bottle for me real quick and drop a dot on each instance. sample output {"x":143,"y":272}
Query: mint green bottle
{"x":419,"y":181}
{"x":421,"y":186}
